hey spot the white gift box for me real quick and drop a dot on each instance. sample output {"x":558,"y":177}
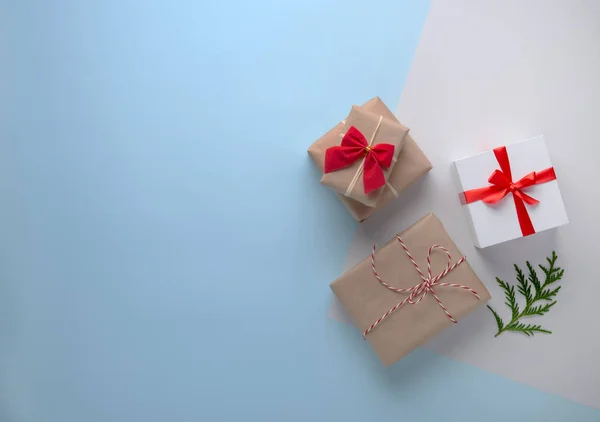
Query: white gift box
{"x":514,"y":215}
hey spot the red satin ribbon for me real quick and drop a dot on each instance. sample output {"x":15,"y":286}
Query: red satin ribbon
{"x":354,"y":147}
{"x":502,"y":185}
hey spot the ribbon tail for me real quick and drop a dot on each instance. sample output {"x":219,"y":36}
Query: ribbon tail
{"x":523,"y":216}
{"x":526,"y":198}
{"x":495,"y":197}
{"x":373,"y":177}
{"x":483,"y":194}
{"x":443,"y":307}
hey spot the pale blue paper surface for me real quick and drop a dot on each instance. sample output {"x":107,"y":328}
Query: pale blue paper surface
{"x":165,"y":247}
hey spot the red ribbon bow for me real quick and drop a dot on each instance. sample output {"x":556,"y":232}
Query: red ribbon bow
{"x":354,"y":147}
{"x":502,"y":185}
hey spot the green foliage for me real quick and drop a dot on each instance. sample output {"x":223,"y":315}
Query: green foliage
{"x":533,"y":291}
{"x":498,"y":319}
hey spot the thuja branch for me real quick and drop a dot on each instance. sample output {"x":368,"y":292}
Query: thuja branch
{"x":539,"y":297}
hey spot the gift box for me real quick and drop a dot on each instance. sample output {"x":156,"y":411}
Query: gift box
{"x":411,"y":289}
{"x":510,"y":192}
{"x":411,"y":163}
{"x":359,"y":167}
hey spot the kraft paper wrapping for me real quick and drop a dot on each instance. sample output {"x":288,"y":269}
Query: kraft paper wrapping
{"x":411,"y":163}
{"x":411,"y":325}
{"x":389,"y":132}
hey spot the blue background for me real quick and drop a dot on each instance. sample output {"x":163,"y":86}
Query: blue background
{"x":165,"y":247}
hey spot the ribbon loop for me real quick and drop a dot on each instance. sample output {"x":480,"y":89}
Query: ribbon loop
{"x":426,"y":286}
{"x":526,"y":181}
{"x":499,"y":179}
{"x":448,"y":265}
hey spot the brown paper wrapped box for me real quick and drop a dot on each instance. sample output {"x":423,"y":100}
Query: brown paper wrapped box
{"x":411,"y":325}
{"x":411,"y":164}
{"x":380,"y":131}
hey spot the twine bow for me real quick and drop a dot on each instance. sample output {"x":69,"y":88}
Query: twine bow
{"x":354,"y":147}
{"x":419,"y":291}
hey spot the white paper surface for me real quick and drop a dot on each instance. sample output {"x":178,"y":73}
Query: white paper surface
{"x":496,"y":223}
{"x":486,"y":72}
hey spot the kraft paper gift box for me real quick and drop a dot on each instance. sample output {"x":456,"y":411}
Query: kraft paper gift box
{"x":379,"y":137}
{"x":411,"y":163}
{"x":510,"y":192}
{"x":395,"y":322}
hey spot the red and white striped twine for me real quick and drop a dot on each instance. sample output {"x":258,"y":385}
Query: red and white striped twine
{"x":419,"y":291}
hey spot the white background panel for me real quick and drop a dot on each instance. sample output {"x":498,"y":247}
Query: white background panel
{"x":488,"y":73}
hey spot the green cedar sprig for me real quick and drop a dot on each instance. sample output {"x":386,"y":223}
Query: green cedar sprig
{"x":533,"y":291}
